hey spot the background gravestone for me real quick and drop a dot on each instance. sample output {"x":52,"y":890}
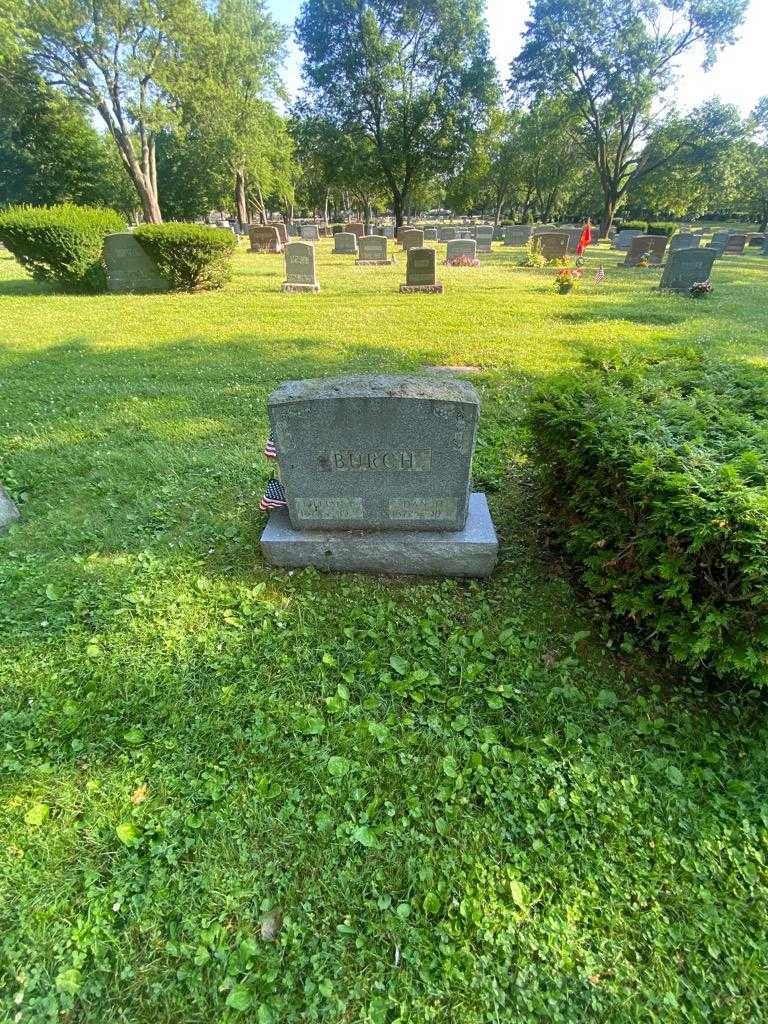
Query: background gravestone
{"x":300,"y":273}
{"x":553,"y":244}
{"x":264,"y":238}
{"x":373,"y":252}
{"x":310,"y":233}
{"x":623,"y":238}
{"x":129,"y":268}
{"x":734,"y":245}
{"x":8,"y":511}
{"x":282,"y":231}
{"x":421,"y":272}
{"x":765,"y":248}
{"x":484,"y":237}
{"x":459,"y":247}
{"x":430,"y":234}
{"x":517,"y":234}
{"x":345,"y":243}
{"x":654,"y":246}
{"x":686,"y":267}
{"x":355,"y":227}
{"x":412,"y":238}
{"x":684,"y":240}
{"x":719,"y":239}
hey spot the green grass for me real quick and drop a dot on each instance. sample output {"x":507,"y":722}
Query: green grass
{"x":465,"y":804}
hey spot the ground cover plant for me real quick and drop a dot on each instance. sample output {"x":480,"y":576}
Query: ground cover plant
{"x":229,"y":793}
{"x":656,"y":476}
{"x":60,"y":243}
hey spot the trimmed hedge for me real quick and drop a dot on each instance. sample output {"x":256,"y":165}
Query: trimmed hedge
{"x":635,"y":225}
{"x":60,"y":243}
{"x":189,"y":257}
{"x":656,"y":475}
{"x":663,"y":227}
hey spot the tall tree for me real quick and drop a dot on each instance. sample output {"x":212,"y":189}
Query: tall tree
{"x":119,"y":57}
{"x":49,"y":150}
{"x":754,"y":163}
{"x":413,"y":77}
{"x":611,"y":60}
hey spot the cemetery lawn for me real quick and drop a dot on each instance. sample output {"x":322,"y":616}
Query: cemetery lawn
{"x":229,"y":793}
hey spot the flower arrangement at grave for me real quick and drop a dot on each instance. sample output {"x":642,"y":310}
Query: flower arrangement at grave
{"x":463,"y":261}
{"x":700,"y":288}
{"x":533,"y":256}
{"x":645,"y":260}
{"x":566,"y":279}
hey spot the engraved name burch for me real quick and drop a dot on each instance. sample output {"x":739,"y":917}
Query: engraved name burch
{"x":418,"y":460}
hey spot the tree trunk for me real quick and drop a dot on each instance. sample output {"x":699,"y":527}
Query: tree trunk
{"x":260,"y":205}
{"x":241,"y":204}
{"x":327,"y":203}
{"x":367,"y":215}
{"x":609,"y":212}
{"x":397,"y":209}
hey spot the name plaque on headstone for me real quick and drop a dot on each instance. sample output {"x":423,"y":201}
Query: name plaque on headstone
{"x":129,"y":267}
{"x":374,"y":252}
{"x":376,"y":452}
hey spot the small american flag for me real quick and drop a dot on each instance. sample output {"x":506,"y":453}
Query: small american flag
{"x":274,"y":496}
{"x":599,"y":276}
{"x":270,"y":449}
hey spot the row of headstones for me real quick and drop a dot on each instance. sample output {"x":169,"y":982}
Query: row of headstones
{"x":727,"y":243}
{"x":521,"y":234}
{"x":421,"y":267}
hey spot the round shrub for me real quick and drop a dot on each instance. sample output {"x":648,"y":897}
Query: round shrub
{"x":60,"y":243}
{"x":189,"y":257}
{"x":656,"y":475}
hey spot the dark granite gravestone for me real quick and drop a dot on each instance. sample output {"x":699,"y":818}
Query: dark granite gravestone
{"x":734,"y":245}
{"x":376,"y":471}
{"x":373,"y":252}
{"x":421,"y":272}
{"x":460,"y":247}
{"x":345,"y":243}
{"x":686,"y":267}
{"x":412,"y":238}
{"x":719,"y":239}
{"x":756,"y":240}
{"x":652,"y":246}
{"x":300,"y":273}
{"x":765,"y":248}
{"x":553,"y":244}
{"x":684,"y":240}
{"x":310,"y":233}
{"x":355,"y":227}
{"x":517,"y":234}
{"x":264,"y":238}
{"x":129,"y":267}
{"x":8,"y":511}
{"x":282,"y":232}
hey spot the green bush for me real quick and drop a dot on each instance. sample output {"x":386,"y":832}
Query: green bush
{"x":189,"y":256}
{"x":663,"y":227}
{"x":60,"y":243}
{"x":635,"y":225}
{"x":656,"y":477}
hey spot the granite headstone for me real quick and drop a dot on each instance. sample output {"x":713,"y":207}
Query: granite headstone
{"x":345,"y":243}
{"x":374,"y":252}
{"x":421,"y":272}
{"x":9,"y":513}
{"x":686,"y":267}
{"x":300,"y":272}
{"x":129,"y":267}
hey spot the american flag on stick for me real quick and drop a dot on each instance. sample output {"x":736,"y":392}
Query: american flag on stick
{"x":274,"y":497}
{"x":600,"y":275}
{"x":270,"y":449}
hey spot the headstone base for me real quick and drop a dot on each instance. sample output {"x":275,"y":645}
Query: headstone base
{"x":8,"y":511}
{"x":432,"y":289}
{"x":375,"y":263}
{"x":288,"y":287}
{"x":468,"y":552}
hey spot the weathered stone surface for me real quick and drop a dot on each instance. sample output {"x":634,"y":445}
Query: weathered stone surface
{"x":264,"y":238}
{"x":756,"y":240}
{"x":447,"y":234}
{"x":374,"y":252}
{"x":686,"y":267}
{"x":282,"y":231}
{"x":375,"y":452}
{"x":654,"y":246}
{"x":684,"y":240}
{"x":8,"y":511}
{"x":719,"y":239}
{"x":421,"y":272}
{"x":735,"y":245}
{"x":345,"y":243}
{"x":553,"y":244}
{"x":765,"y":249}
{"x":412,"y":238}
{"x":623,"y":238}
{"x":517,"y":234}
{"x":471,"y":551}
{"x":300,"y":273}
{"x":129,"y":268}
{"x":462,"y":247}
{"x":430,"y":234}
{"x":388,"y":231}
{"x":310,"y":233}
{"x":484,"y":237}
{"x":355,"y":227}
